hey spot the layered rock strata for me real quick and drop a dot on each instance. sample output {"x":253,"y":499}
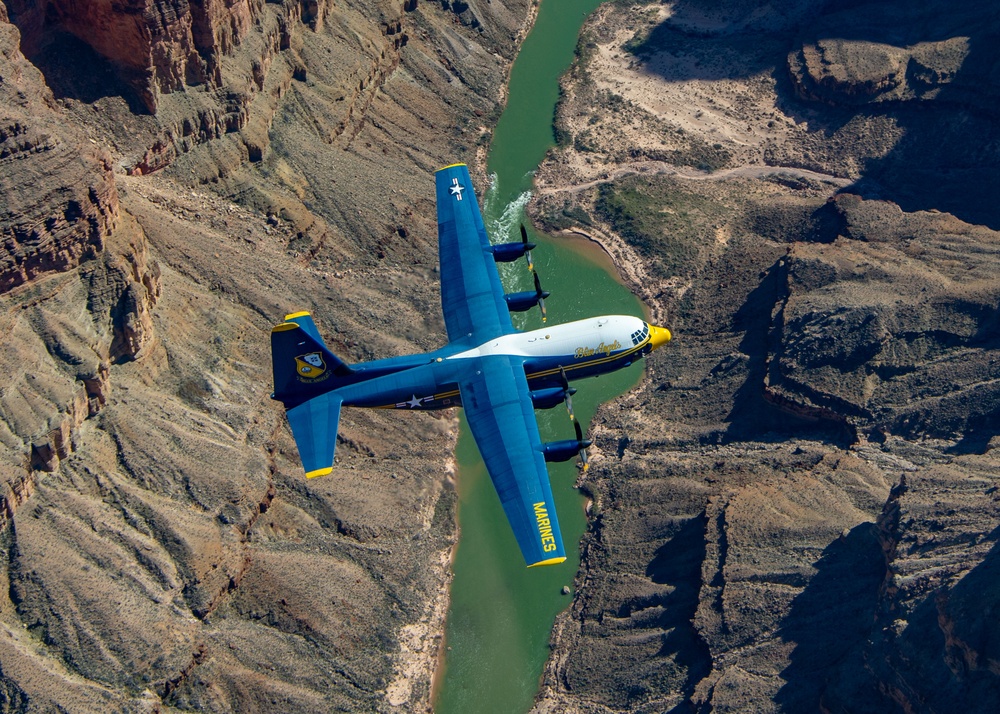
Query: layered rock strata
{"x":177,"y":176}
{"x":797,"y":511}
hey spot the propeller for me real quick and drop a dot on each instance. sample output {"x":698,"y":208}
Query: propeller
{"x":569,"y":393}
{"x":541,"y":295}
{"x":527,"y":250}
{"x":584,"y":443}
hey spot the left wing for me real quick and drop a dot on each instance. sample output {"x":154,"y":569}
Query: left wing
{"x":498,"y":405}
{"x":472,"y":296}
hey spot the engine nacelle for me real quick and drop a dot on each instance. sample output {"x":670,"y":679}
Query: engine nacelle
{"x":563,"y":450}
{"x":509,"y":252}
{"x":519,"y":302}
{"x":548,"y":398}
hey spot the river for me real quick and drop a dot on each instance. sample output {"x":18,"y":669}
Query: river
{"x":501,"y":613}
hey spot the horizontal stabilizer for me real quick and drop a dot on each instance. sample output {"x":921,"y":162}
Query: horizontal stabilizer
{"x":314,"y":426}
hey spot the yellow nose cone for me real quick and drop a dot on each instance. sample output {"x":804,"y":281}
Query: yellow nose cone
{"x":658,"y":336}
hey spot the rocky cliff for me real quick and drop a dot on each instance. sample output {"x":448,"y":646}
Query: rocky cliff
{"x":175,"y":176}
{"x":798,"y":510}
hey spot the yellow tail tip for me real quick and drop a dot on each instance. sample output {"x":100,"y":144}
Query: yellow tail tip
{"x":319,"y":472}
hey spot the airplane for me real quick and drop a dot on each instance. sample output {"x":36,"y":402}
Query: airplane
{"x":496,"y":373}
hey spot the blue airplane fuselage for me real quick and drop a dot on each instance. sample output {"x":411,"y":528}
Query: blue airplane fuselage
{"x":430,"y":381}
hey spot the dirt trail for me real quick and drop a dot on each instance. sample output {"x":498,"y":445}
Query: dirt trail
{"x":662,"y":168}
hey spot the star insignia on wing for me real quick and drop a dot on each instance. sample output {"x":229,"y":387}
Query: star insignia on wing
{"x":456,"y":188}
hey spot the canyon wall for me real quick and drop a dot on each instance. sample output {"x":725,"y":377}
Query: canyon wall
{"x":798,"y":510}
{"x":175,"y":177}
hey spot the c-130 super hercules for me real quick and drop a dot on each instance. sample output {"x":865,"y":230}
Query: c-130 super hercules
{"x":496,"y":373}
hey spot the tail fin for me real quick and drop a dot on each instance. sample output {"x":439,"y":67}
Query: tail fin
{"x":305,"y":373}
{"x":303,"y":366}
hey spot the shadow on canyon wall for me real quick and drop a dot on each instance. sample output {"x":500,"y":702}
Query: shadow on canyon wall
{"x":753,"y":416}
{"x":73,"y":70}
{"x":948,"y":155}
{"x":831,"y":619}
{"x":854,"y":654}
{"x":678,"y":563}
{"x":949,"y":649}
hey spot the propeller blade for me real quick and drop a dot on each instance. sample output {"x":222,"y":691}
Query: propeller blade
{"x":569,"y":392}
{"x":527,"y":252}
{"x":541,"y":296}
{"x":584,"y":461}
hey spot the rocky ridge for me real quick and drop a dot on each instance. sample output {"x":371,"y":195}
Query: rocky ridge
{"x":797,"y":511}
{"x":175,"y":177}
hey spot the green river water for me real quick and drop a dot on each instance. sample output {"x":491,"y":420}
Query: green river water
{"x":501,"y":614}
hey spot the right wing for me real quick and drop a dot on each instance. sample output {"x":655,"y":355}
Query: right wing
{"x":498,"y":406}
{"x":472,"y":296}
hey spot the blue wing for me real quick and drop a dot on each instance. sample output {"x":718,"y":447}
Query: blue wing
{"x":472,"y":296}
{"x":498,"y":406}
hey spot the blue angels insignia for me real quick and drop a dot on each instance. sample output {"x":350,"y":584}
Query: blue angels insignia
{"x":310,"y":366}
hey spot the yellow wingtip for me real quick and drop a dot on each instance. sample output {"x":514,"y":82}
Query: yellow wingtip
{"x":285,"y":326}
{"x":550,"y":561}
{"x":449,"y":166}
{"x":319,"y":472}
{"x":303,"y":313}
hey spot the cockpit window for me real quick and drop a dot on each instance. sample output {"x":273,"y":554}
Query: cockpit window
{"x":639,"y":335}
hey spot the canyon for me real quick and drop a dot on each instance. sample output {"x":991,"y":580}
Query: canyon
{"x":795,"y":511}
{"x":176,"y":176}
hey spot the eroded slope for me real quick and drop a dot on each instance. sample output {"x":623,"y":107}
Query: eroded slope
{"x":161,"y":549}
{"x":798,"y":509}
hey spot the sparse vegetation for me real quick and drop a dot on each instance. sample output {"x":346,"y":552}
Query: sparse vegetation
{"x":570,"y":215}
{"x":583,"y":142}
{"x":662,"y":222}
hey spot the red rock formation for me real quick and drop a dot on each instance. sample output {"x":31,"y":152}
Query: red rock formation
{"x":159,"y":46}
{"x":162,"y":507}
{"x":13,"y":493}
{"x":60,"y":200}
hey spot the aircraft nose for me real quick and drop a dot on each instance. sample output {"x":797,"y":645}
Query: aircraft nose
{"x":658,"y":336}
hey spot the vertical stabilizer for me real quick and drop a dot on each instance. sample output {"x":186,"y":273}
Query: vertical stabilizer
{"x":303,"y":366}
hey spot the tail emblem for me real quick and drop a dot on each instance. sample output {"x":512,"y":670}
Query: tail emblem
{"x":310,"y":366}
